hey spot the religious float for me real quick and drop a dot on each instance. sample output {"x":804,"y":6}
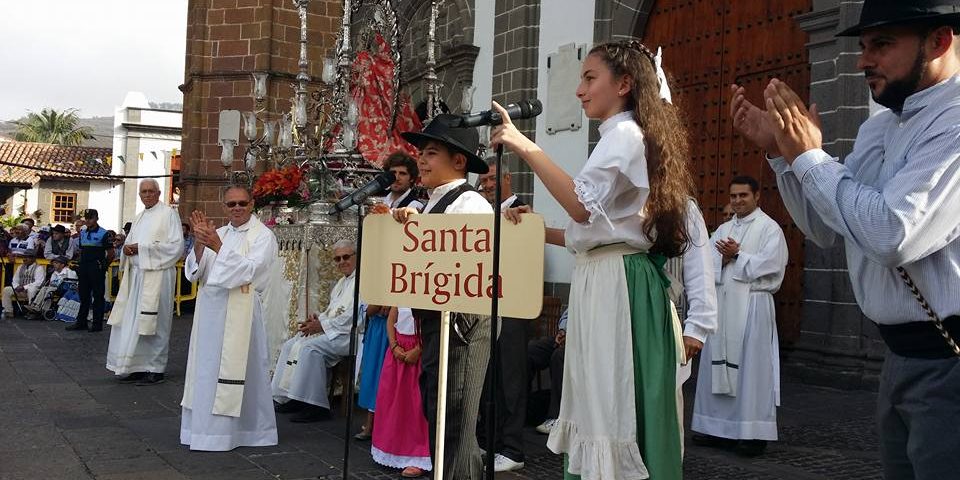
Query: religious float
{"x":332,"y":141}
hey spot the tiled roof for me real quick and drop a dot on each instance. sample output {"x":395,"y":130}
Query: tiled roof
{"x":52,"y":161}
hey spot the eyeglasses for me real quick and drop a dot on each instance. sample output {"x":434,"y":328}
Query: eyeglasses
{"x":242,"y":203}
{"x":342,"y":258}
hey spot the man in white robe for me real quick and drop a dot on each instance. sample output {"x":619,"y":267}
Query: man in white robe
{"x":143,"y":312}
{"x":300,"y":381}
{"x":738,"y":387}
{"x":226,"y":399}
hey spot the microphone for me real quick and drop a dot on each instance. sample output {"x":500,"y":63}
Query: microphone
{"x":378,"y":184}
{"x":517,"y":111}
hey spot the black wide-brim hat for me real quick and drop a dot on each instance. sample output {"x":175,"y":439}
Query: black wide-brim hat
{"x":443,"y":128}
{"x":877,"y":13}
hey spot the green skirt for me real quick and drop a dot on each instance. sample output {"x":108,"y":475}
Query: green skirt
{"x":654,"y":367}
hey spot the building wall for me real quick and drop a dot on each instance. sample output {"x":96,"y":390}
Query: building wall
{"x":102,"y":196}
{"x":47,"y":188}
{"x":516,"y":43}
{"x":31,"y":200}
{"x":483,"y":67}
{"x":227,"y":40}
{"x":146,"y":138}
{"x":561,"y":23}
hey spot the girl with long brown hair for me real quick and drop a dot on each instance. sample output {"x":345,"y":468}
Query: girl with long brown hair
{"x":630,"y":207}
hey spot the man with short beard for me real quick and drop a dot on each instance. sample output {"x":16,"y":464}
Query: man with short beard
{"x":893,"y":202}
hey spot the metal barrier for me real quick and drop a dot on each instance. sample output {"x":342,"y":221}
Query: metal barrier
{"x":178,"y":298}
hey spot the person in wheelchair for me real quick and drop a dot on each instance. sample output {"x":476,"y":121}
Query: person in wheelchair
{"x":45,"y":302}
{"x":27,"y":279}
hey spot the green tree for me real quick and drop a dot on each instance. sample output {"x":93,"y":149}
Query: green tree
{"x":51,"y":126}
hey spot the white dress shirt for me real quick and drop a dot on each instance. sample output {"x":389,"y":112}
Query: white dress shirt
{"x":468,"y":202}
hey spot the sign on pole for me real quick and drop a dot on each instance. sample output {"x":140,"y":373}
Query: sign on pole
{"x":445,"y":263}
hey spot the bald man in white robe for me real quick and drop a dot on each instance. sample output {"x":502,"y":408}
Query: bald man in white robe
{"x":143,"y":312}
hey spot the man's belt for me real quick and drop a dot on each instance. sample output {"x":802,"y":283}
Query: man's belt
{"x":920,"y":339}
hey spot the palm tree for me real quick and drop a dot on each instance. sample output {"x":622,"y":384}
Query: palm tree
{"x":51,"y":126}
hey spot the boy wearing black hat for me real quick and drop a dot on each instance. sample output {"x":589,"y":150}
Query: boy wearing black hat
{"x":892,"y":201}
{"x":447,"y":154}
{"x":94,"y":243}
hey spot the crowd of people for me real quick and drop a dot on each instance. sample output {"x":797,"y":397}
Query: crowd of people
{"x":621,"y":350}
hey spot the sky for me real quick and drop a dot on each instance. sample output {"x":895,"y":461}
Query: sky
{"x":88,"y":54}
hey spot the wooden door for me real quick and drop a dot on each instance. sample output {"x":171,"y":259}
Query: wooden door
{"x":709,"y":44}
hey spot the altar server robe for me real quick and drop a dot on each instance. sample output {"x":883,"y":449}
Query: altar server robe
{"x":218,"y":273}
{"x":738,"y":387}
{"x":159,"y":239}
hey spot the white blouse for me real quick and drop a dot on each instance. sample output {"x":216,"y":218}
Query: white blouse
{"x":613,"y":186}
{"x":405,"y":325}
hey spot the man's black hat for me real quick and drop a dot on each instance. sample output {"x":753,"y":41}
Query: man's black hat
{"x":878,"y":13}
{"x":59,"y":229}
{"x":90,"y":213}
{"x":462,"y":140}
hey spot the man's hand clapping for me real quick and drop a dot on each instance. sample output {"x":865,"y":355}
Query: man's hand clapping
{"x":752,"y":122}
{"x":204,"y":232}
{"x":728,"y":248}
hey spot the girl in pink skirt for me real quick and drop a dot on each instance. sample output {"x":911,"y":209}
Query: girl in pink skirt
{"x":400,"y":437}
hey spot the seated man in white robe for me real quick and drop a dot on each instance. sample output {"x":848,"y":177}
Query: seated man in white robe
{"x":300,"y":381}
{"x":142,"y":314}
{"x":738,"y":387}
{"x":226,"y":397}
{"x":27,"y":279}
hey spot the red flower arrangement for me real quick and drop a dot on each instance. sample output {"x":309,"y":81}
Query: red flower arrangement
{"x":283,"y":184}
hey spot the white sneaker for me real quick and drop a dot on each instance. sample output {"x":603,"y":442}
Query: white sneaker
{"x":547,"y":426}
{"x":504,"y":464}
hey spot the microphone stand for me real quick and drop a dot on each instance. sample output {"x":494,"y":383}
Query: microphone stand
{"x":491,"y":410}
{"x":348,"y":395}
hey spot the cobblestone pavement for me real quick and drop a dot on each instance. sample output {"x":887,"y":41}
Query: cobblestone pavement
{"x":64,"y":416}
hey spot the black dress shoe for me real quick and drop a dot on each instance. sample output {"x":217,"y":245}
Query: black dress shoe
{"x":132,"y":378}
{"x":704,"y":440}
{"x":76,"y":326}
{"x":95,"y":327}
{"x":310,"y":414}
{"x":750,"y":448}
{"x":291,"y":406}
{"x":151,"y":378}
